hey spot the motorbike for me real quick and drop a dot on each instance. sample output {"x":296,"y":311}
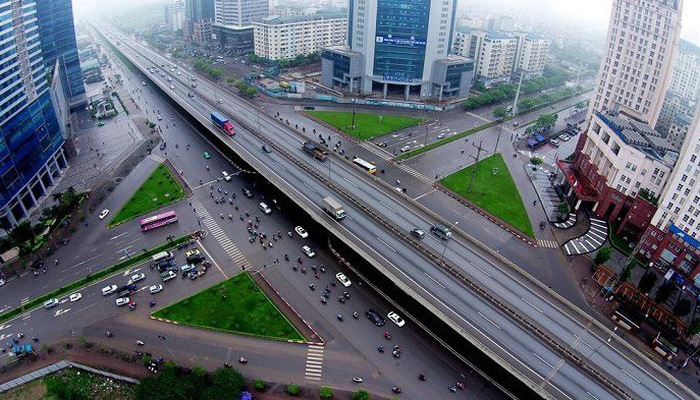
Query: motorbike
{"x":323,"y":300}
{"x":542,"y":225}
{"x":380,"y":348}
{"x":355,"y":315}
{"x":110,"y":334}
{"x":140,"y":343}
{"x":152,"y":303}
{"x":421,"y":377}
{"x":242,"y":360}
{"x":460,"y":385}
{"x":357,"y":379}
{"x":303,"y":270}
{"x":346,"y":295}
{"x":286,"y":257}
{"x":396,"y":354}
{"x":396,"y":390}
{"x":340,"y":317}
{"x":452,"y":388}
{"x":322,"y":269}
{"x":387,"y":335}
{"x":289,"y":234}
{"x":312,"y":286}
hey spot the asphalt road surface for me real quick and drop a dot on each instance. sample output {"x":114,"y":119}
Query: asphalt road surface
{"x":523,"y":348}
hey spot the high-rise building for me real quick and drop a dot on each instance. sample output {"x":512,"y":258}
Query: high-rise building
{"x":201,"y":31}
{"x":175,"y":15}
{"x":637,"y":66}
{"x":31,"y":153}
{"x":287,"y":37}
{"x":56,"y":29}
{"x":399,"y":48}
{"x":686,"y":72}
{"x":531,"y":55}
{"x":198,"y":11}
{"x":233,"y":23}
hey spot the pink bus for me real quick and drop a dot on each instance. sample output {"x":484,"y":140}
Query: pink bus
{"x":158,"y":220}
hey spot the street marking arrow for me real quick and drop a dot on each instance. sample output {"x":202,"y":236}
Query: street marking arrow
{"x":61,"y":311}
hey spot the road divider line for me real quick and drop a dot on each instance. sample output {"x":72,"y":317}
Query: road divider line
{"x":532,"y":305}
{"x":488,"y":319}
{"x":543,"y":360}
{"x":387,"y":245}
{"x":434,"y":280}
{"x":119,"y":235}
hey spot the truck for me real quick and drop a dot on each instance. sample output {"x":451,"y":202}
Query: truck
{"x":332,"y":207}
{"x":315,"y":150}
{"x":222,"y":123}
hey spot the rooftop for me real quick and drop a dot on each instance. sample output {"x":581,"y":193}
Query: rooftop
{"x":640,"y":136}
{"x":278,"y":20}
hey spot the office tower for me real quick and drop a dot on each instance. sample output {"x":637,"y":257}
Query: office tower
{"x":233,"y":23}
{"x":637,"y":66}
{"x":31,"y":154}
{"x":686,"y":72}
{"x":175,"y":15}
{"x":57,"y":35}
{"x":200,"y":12}
{"x":399,"y":48}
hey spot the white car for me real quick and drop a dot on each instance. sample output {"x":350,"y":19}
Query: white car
{"x":51,"y":303}
{"x":155,"y":289}
{"x":178,"y":72}
{"x":309,"y":253}
{"x":138,"y":277}
{"x":441,"y":136}
{"x":264,"y":208}
{"x":122,"y":301}
{"x":405,"y":148}
{"x":226,"y":176}
{"x":143,"y":83}
{"x":396,"y":318}
{"x":107,"y":290}
{"x":75,"y":297}
{"x":159,"y":117}
{"x":172,"y":87}
{"x":103,"y":214}
{"x":302,"y":232}
{"x":2,"y":282}
{"x":343,"y":279}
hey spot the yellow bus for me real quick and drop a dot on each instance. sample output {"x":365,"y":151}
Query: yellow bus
{"x":369,"y":167}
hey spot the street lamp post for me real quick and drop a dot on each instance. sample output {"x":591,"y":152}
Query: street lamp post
{"x":449,"y":229}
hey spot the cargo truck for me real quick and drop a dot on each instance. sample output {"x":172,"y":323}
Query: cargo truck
{"x":332,"y":207}
{"x":222,"y":123}
{"x":315,"y":150}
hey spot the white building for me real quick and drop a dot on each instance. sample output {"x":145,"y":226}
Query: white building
{"x":239,"y":13}
{"x":679,"y":130}
{"x":531,"y":55}
{"x":175,"y":15}
{"x":287,"y":37}
{"x":636,"y":69}
{"x":686,"y":72}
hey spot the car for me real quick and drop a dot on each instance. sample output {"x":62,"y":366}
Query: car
{"x":264,"y":208}
{"x":107,"y":290}
{"x":247,"y":193}
{"x":159,"y":117}
{"x":2,"y":282}
{"x":101,"y":124}
{"x":143,"y":83}
{"x":172,"y":87}
{"x":441,"y":136}
{"x":343,"y":279}
{"x":554,"y":142}
{"x":138,"y":277}
{"x":309,"y":253}
{"x":191,"y":252}
{"x":195,"y":258}
{"x":221,"y":101}
{"x":405,"y":148}
{"x":564,"y":137}
{"x":190,"y":95}
{"x":103,"y":214}
{"x":226,"y":176}
{"x":418,"y":233}
{"x":266,"y":149}
{"x":187,"y":268}
{"x":178,"y":72}
{"x":75,"y":297}
{"x":206,"y":155}
{"x":122,"y":301}
{"x":396,"y":319}
{"x":301,"y":232}
{"x":51,"y":303}
{"x":170,"y":79}
{"x":516,"y":124}
{"x":375,"y":317}
{"x":155,"y":289}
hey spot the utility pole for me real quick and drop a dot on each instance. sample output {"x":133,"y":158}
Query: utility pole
{"x":498,"y":138}
{"x":517,"y":95}
{"x":425,"y":141}
{"x":476,"y":158}
{"x":354,"y":106}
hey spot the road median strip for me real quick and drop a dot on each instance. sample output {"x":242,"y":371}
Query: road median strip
{"x":64,"y":290}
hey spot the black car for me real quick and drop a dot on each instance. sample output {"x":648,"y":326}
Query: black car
{"x":375,"y":317}
{"x":247,"y":193}
{"x":195,"y":258}
{"x":266,"y":149}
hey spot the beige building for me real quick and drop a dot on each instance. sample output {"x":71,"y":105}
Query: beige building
{"x":686,"y":72}
{"x":636,"y":69}
{"x":531,"y":55}
{"x":279,"y":38}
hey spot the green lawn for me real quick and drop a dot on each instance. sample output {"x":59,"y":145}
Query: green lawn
{"x":496,"y":194}
{"x":367,"y":126}
{"x":160,"y":189}
{"x":236,"y":305}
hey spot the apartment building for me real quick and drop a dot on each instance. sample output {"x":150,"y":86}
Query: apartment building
{"x":685,"y":81}
{"x":531,"y":56}
{"x":279,"y":38}
{"x":175,"y":15}
{"x":636,"y":69}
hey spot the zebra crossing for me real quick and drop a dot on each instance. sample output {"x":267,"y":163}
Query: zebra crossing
{"x":314,"y":362}
{"x":592,"y":240}
{"x":552,"y":244}
{"x":568,"y":223}
{"x":218,"y":234}
{"x":157,"y":158}
{"x":414,"y":173}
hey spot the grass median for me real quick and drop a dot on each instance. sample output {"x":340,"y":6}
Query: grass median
{"x":160,"y":189}
{"x":238,"y":306}
{"x":495,"y":193}
{"x":64,"y":290}
{"x":367,"y":126}
{"x":444,"y":141}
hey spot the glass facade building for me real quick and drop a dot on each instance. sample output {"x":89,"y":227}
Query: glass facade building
{"x":56,"y":28}
{"x":31,"y":153}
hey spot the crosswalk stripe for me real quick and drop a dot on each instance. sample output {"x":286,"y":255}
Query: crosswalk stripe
{"x":314,"y":362}
{"x":224,"y":241}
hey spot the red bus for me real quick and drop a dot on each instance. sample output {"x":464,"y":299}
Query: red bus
{"x":157,"y":221}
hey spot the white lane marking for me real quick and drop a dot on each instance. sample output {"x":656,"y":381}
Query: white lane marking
{"x":630,"y":375}
{"x":423,"y":195}
{"x":350,"y":182}
{"x":480,"y":269}
{"x":434,"y":280}
{"x":119,"y":235}
{"x":3,"y":327}
{"x":488,"y":319}
{"x":212,"y":259}
{"x":591,"y":394}
{"x":387,"y":207}
{"x":309,"y":186}
{"x":532,"y":305}
{"x":387,"y":245}
{"x":61,"y":311}
{"x":543,"y":360}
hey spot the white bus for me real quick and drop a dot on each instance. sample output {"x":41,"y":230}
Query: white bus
{"x":163,"y":255}
{"x":369,"y":167}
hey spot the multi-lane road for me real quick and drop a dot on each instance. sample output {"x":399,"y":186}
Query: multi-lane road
{"x":544,"y":339}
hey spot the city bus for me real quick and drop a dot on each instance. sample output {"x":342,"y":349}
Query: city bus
{"x":158,"y":220}
{"x":369,"y":167}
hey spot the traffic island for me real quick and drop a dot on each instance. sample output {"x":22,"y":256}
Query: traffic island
{"x":160,"y":189}
{"x":367,"y":126}
{"x":237,"y":305}
{"x":492,"y":191}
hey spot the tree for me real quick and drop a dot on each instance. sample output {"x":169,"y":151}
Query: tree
{"x":225,"y":383}
{"x":171,"y":383}
{"x":325,"y":393}
{"x":647,"y":282}
{"x":664,"y":292}
{"x":500,"y":112}
{"x":682,"y":308}
{"x":564,"y":209}
{"x":360,"y":395}
{"x":694,"y":327}
{"x":22,"y":232}
{"x":603,"y":255}
{"x":259,"y":385}
{"x":293,"y":390}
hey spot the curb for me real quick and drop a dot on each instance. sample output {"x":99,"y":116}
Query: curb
{"x":488,"y":216}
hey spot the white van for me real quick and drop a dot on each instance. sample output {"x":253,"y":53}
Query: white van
{"x":163,"y":255}
{"x":265,"y":208}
